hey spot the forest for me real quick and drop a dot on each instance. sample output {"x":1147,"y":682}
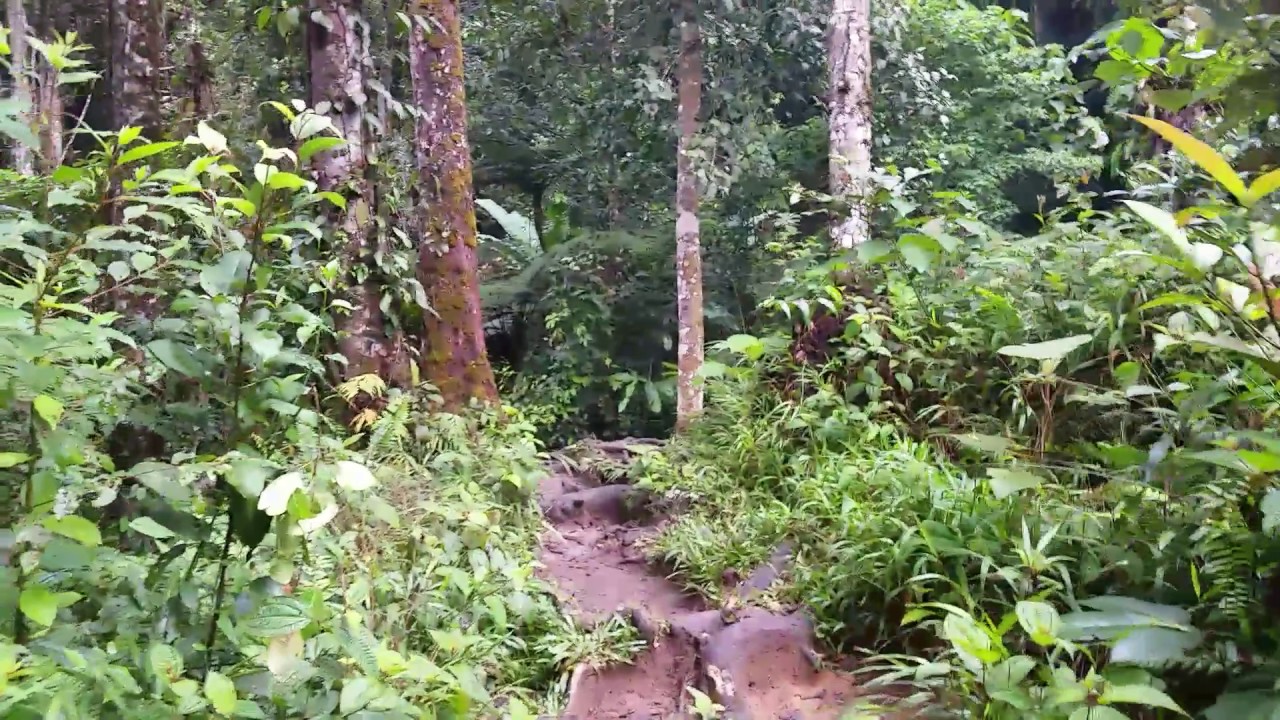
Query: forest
{"x":611,"y":359}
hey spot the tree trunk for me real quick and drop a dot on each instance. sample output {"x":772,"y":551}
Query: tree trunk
{"x":338,"y":54}
{"x":137,"y":48}
{"x":453,"y":357}
{"x":19,"y":70}
{"x":850,"y":118}
{"x":689,"y":348}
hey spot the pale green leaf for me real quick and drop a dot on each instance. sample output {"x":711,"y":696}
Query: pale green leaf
{"x":12,"y":459}
{"x":274,"y":499}
{"x":75,"y":527}
{"x":1049,"y":350}
{"x":49,"y":409}
{"x":221,"y":693}
{"x":1006,"y":482}
{"x":1139,"y":695}
{"x":144,"y":151}
{"x":317,"y":145}
{"x":150,"y":528}
{"x":39,"y":604}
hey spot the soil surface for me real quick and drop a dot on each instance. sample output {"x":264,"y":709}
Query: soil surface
{"x":758,"y":664}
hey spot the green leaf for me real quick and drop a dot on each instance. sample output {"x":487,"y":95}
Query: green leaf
{"x":231,"y":268}
{"x":266,"y":344}
{"x":1097,"y":712}
{"x":249,"y":475}
{"x":1172,"y":99}
{"x":76,"y":528}
{"x":1155,"y":647}
{"x":279,"y":615}
{"x":919,"y":251}
{"x":1009,"y":673}
{"x":176,"y":356}
{"x":118,"y":270}
{"x":1050,"y":350}
{"x":145,"y":151}
{"x":1040,"y":621}
{"x":49,"y":409}
{"x":282,"y":180}
{"x":12,"y":459}
{"x":1005,"y":482}
{"x":1139,"y":695}
{"x":165,"y":662}
{"x":993,"y":444}
{"x":150,"y":528}
{"x":1161,"y":220}
{"x":749,"y":346}
{"x":39,"y":604}
{"x":316,"y":145}
{"x":221,"y":693}
{"x":142,"y":262}
{"x":1199,"y":153}
{"x":356,"y":693}
{"x":1139,"y":38}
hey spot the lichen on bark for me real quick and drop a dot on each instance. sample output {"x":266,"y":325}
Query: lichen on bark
{"x":849,"y":59}
{"x":689,"y":345}
{"x":453,"y":353}
{"x":338,"y":52}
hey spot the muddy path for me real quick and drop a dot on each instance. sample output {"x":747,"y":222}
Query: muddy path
{"x":759,"y":664}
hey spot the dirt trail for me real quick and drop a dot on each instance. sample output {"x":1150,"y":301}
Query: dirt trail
{"x":758,"y":664}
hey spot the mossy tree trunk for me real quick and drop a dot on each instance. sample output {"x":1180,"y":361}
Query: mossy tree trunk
{"x":689,"y":346}
{"x":339,"y":63}
{"x":849,"y":59}
{"x":453,"y":353}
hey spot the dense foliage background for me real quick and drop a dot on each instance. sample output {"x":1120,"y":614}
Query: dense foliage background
{"x":1027,"y":456}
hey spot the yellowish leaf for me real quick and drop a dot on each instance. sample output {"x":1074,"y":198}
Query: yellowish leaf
{"x":1202,"y":155}
{"x":1263,"y":187}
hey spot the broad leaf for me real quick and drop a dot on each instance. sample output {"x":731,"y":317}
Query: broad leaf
{"x":1199,"y":153}
{"x":221,"y":693}
{"x":39,"y":604}
{"x":280,"y":615}
{"x":1005,"y":482}
{"x":150,"y":528}
{"x":1140,"y":695}
{"x":76,"y":528}
{"x":1050,"y":350}
{"x":1263,"y":187}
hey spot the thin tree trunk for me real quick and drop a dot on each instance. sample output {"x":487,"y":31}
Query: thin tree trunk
{"x":454,"y":357}
{"x":850,"y":118}
{"x":137,"y":49}
{"x":338,"y":54}
{"x":19,"y":70}
{"x":49,"y":116}
{"x":689,"y":348}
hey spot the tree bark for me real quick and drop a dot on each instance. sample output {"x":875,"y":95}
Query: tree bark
{"x":338,"y":57}
{"x":137,"y":49}
{"x":453,"y":357}
{"x":849,"y":52}
{"x":19,"y":70}
{"x":689,"y":347}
